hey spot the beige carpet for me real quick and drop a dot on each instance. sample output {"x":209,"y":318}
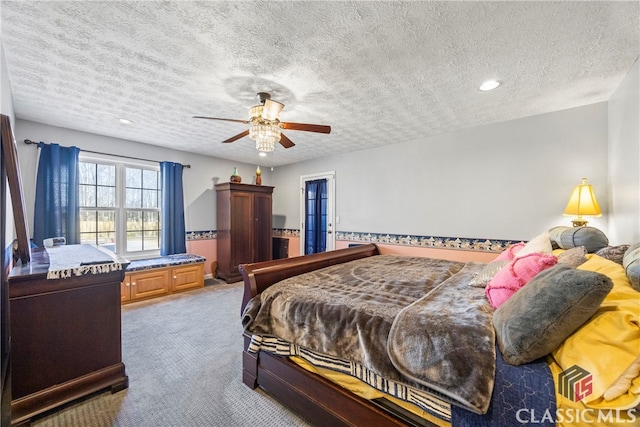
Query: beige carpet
{"x":183,"y":357}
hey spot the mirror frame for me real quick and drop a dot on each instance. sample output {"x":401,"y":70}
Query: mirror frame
{"x":10,"y":158}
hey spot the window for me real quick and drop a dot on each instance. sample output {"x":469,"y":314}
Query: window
{"x":120,"y":206}
{"x":142,"y":201}
{"x":97,"y":204}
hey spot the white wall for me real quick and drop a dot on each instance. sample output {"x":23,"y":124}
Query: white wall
{"x":199,"y":180}
{"x":508,"y":180}
{"x":624,"y":160}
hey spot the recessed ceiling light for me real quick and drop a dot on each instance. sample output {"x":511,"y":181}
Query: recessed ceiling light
{"x":125,"y":121}
{"x":262,"y":154}
{"x":489,"y":85}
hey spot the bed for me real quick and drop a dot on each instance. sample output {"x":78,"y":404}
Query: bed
{"x":338,"y":337}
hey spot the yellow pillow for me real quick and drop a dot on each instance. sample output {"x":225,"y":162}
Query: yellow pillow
{"x":609,"y":343}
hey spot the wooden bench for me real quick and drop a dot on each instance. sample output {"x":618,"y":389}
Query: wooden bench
{"x":154,"y":277}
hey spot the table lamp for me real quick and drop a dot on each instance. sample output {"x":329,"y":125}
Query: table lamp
{"x":582,"y":202}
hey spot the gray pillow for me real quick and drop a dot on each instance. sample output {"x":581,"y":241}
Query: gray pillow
{"x":547,"y":310}
{"x":570,"y":237}
{"x":573,"y":257}
{"x":613,"y":253}
{"x":631,"y":264}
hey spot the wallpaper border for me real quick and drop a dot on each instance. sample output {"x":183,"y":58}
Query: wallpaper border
{"x":201,"y":235}
{"x":440,"y":242}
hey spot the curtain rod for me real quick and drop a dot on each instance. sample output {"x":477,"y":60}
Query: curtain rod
{"x":30,"y":142}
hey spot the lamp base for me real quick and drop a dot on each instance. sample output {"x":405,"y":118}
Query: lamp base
{"x":578,"y":222}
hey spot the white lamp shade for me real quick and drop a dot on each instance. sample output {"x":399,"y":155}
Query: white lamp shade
{"x":271,"y":110}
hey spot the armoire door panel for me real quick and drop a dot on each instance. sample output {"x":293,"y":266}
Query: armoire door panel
{"x":241,"y":228}
{"x":262,"y":228}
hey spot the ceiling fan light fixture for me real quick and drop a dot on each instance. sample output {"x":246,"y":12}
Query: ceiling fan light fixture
{"x":271,"y":110}
{"x":265,"y":136}
{"x":265,"y":125}
{"x":256,"y":111}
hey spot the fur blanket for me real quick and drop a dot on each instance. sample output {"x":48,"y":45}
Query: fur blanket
{"x":446,"y":341}
{"x":408,"y":319}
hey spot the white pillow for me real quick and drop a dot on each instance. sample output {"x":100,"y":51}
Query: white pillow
{"x":539,"y":244}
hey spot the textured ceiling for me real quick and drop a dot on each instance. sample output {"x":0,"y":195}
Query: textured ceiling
{"x":377,"y":72}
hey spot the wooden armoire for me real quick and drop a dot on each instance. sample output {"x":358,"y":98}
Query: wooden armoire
{"x":244,"y":223}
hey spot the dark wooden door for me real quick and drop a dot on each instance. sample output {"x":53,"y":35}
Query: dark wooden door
{"x":262,"y":227}
{"x":241,"y":228}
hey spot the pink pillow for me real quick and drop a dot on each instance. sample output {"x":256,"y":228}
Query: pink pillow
{"x":515,"y":275}
{"x":510,"y":253}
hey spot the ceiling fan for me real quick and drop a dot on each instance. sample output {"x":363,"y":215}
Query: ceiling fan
{"x":265,"y":125}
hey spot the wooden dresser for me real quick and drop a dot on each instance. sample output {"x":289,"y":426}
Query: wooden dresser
{"x":244,"y":223}
{"x":65,"y":336}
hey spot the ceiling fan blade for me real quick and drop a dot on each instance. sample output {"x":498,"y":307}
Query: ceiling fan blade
{"x":285,"y":142}
{"x":226,"y":120}
{"x":238,"y":136}
{"x":306,"y":127}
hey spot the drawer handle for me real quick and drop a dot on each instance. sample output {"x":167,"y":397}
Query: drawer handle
{"x":133,"y":284}
{"x":175,"y":277}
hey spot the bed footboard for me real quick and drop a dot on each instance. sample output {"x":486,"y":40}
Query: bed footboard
{"x":260,"y":275}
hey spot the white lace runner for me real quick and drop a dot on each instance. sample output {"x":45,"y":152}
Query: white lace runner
{"x":77,"y":260}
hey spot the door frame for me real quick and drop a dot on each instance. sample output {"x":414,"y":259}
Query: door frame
{"x":330,"y":176}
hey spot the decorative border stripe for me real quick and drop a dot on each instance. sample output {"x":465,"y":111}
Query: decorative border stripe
{"x":286,"y":232}
{"x":427,"y":401}
{"x":463,"y":243}
{"x":460,"y":243}
{"x":201,"y":235}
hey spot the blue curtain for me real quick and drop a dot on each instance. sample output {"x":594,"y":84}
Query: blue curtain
{"x":315,"y":238}
{"x":172,"y":239}
{"x":57,"y":202}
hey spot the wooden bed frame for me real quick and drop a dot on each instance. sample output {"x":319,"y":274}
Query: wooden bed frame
{"x":311,"y":396}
